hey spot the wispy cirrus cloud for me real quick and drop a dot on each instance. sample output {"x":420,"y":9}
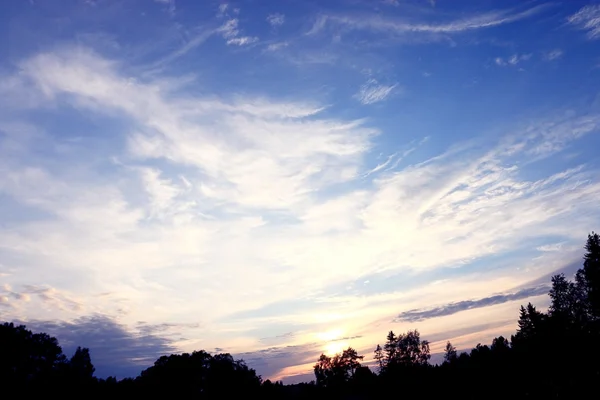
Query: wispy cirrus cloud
{"x":553,"y":54}
{"x":551,"y":247}
{"x":512,"y":60}
{"x":170,"y":4}
{"x":373,"y":92}
{"x":396,"y":3}
{"x":192,"y":43}
{"x":276,"y":19}
{"x":587,"y":19}
{"x":397,"y":26}
{"x":231,"y":33}
{"x":222,"y":9}
{"x":277,"y":46}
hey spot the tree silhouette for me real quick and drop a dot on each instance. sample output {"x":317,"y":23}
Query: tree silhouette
{"x":80,"y":365}
{"x":28,"y":359}
{"x":334,"y":371}
{"x":199,"y":373}
{"x":591,"y":273}
{"x":379,"y":357}
{"x":390,"y":347}
{"x":450,"y":354}
{"x":528,"y":321}
{"x":563,"y":298}
{"x":410,"y":350}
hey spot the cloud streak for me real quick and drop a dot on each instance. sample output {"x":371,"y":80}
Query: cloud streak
{"x":512,"y":60}
{"x":379,"y":24}
{"x":587,"y":19}
{"x":553,"y":55}
{"x":231,"y":33}
{"x":453,"y":308}
{"x":170,"y":4}
{"x":276,"y":19}
{"x":373,"y":92}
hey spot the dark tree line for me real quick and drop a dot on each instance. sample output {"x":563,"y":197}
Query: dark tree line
{"x":35,"y":361}
{"x":551,"y":355}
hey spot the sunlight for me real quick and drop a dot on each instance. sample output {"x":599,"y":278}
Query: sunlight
{"x":329,"y":335}
{"x":334,"y":348}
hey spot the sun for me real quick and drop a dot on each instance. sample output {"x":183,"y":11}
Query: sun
{"x":333,"y":348}
{"x":333,"y":342}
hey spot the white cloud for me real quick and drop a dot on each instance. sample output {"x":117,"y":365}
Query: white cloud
{"x":242,"y":41}
{"x":396,"y":3}
{"x":373,"y":92}
{"x":230,"y":28}
{"x":515,"y":58}
{"x":551,"y":247}
{"x":170,"y":5}
{"x":553,"y":55}
{"x":379,"y":24}
{"x":304,"y":57}
{"x":222,"y":9}
{"x":231,"y":33}
{"x":190,"y":45}
{"x":587,"y":19}
{"x":512,"y":60}
{"x":276,"y":19}
{"x":162,"y":192}
{"x":277,"y":46}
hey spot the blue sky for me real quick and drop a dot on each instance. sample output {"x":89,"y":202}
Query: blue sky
{"x":281,"y":179}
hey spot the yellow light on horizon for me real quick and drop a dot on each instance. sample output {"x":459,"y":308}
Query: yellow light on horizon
{"x":333,"y":348}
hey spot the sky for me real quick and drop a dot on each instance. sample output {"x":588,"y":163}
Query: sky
{"x":279,"y":179}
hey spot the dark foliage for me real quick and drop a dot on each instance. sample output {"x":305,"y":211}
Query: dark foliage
{"x":552,"y":355}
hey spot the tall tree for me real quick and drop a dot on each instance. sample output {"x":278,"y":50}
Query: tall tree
{"x":526,"y":320}
{"x":591,"y":272}
{"x":450,"y":354}
{"x":410,"y":350}
{"x":500,"y":345}
{"x":26,"y":358}
{"x":350,"y":360}
{"x":390,"y":347}
{"x":379,"y":357}
{"x":80,"y":365}
{"x":529,"y":325}
{"x":323,"y":369}
{"x":334,"y":371}
{"x":563,"y":296}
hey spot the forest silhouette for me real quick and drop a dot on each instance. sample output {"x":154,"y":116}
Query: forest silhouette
{"x":551,"y":355}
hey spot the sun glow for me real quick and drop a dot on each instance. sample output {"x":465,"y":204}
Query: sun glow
{"x":332,"y":341}
{"x":333,"y":348}
{"x":329,"y":335}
